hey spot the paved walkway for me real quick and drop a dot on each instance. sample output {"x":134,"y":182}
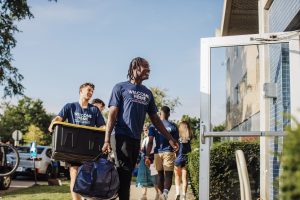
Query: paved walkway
{"x":136,"y":193}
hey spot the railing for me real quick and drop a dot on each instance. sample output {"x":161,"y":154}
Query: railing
{"x":238,"y":134}
{"x":243,"y":175}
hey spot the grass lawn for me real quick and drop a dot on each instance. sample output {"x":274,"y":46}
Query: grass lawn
{"x":40,"y":192}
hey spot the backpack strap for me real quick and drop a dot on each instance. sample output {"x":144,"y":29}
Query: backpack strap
{"x":101,"y":155}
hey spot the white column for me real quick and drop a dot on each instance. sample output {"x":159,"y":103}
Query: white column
{"x":264,"y":104}
{"x":294,"y":46}
{"x":205,"y":120}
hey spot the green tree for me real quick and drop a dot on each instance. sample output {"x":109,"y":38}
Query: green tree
{"x":22,"y":115}
{"x":34,"y":134}
{"x":11,"y":12}
{"x":290,"y":163}
{"x":162,"y":99}
{"x":218,"y":128}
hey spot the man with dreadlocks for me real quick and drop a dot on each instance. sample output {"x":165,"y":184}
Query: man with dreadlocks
{"x":128,"y":105}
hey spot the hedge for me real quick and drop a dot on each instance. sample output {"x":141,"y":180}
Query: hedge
{"x":290,"y":163}
{"x":224,"y":182}
{"x":193,"y":167}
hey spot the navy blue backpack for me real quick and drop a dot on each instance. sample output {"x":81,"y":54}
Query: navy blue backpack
{"x":98,"y":180}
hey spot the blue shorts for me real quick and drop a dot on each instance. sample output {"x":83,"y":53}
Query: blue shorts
{"x":181,"y":161}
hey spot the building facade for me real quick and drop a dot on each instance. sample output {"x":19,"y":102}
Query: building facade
{"x":252,"y":17}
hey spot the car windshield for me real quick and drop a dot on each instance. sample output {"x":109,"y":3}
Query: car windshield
{"x":27,"y":150}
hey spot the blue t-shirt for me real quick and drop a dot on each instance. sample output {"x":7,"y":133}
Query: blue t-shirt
{"x":75,"y":114}
{"x":133,"y":101}
{"x":162,"y":144}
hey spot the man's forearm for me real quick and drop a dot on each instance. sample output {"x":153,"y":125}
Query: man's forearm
{"x":149,"y":148}
{"x":112,"y":116}
{"x":55,"y":119}
{"x":109,"y":128}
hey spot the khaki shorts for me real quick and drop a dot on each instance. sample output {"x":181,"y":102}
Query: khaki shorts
{"x":164,"y":161}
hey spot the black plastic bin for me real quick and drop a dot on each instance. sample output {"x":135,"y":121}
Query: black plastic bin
{"x":75,"y":143}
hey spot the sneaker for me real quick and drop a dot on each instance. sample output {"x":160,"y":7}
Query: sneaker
{"x":177,"y":197}
{"x":163,"y":196}
{"x":144,"y":197}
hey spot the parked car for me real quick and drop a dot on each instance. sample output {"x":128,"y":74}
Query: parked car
{"x":43,"y":164}
{"x":4,"y":167}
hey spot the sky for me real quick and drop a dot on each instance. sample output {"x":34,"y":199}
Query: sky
{"x":70,"y":42}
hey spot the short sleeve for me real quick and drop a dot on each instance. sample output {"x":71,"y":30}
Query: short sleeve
{"x":152,"y":109}
{"x":64,"y":112}
{"x":152,"y":131}
{"x":99,"y":119}
{"x":115,"y":98}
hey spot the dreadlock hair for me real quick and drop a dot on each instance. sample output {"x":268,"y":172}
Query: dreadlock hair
{"x":135,"y":63}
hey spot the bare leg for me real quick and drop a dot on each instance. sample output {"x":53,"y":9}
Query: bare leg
{"x":156,"y":189}
{"x":177,"y":171}
{"x":184,"y":180}
{"x":144,"y":194}
{"x":73,"y":174}
{"x":145,"y":191}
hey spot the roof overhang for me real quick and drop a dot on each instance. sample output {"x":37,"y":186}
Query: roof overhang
{"x":240,"y":17}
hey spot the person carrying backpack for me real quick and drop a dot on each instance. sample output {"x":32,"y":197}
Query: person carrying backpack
{"x":128,"y":105}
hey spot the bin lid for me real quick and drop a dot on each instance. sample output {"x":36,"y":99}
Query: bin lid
{"x":101,"y":129}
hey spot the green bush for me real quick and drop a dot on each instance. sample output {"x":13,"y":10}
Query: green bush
{"x":193,"y":167}
{"x":224,"y":182}
{"x":290,"y":184}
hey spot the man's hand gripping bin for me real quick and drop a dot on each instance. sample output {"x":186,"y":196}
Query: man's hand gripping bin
{"x":75,"y":143}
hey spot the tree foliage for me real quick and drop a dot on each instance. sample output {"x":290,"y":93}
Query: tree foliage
{"x":219,"y":128}
{"x":290,"y":184}
{"x":34,"y":134}
{"x":161,"y":98}
{"x":19,"y":117}
{"x":11,"y":11}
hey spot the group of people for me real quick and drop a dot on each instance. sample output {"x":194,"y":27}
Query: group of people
{"x":129,"y":103}
{"x":161,"y":161}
